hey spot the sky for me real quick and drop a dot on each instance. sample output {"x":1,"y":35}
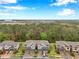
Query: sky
{"x":39,"y":9}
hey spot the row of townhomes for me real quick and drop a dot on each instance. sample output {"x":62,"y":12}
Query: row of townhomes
{"x":9,"y":46}
{"x":32,"y":48}
{"x":67,"y":46}
{"x":39,"y":47}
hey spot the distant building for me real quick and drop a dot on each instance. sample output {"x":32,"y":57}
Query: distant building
{"x":23,"y":22}
{"x":36,"y":46}
{"x":12,"y":23}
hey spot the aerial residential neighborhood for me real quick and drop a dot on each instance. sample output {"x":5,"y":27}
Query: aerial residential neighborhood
{"x":39,"y":39}
{"x":39,"y":29}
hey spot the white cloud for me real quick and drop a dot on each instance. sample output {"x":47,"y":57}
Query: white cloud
{"x":1,"y":10}
{"x":7,"y":1}
{"x":7,"y":14}
{"x":14,"y":7}
{"x":11,"y":10}
{"x":18,"y":8}
{"x":66,"y":12}
{"x":63,"y":2}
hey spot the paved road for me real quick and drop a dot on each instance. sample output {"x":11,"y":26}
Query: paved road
{"x":33,"y":58}
{"x":30,"y":58}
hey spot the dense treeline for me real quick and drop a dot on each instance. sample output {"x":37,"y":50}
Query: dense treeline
{"x":42,"y":31}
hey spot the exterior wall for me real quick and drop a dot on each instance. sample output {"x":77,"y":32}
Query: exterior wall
{"x":39,"y":53}
{"x":32,"y":53}
{"x":45,"y":53}
{"x":27,"y":51}
{"x":60,"y":49}
{"x":67,"y":49}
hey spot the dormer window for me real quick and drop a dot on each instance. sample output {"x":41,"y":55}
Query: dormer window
{"x":75,"y":48}
{"x":76,"y":51}
{"x":15,"y":46}
{"x":67,"y":48}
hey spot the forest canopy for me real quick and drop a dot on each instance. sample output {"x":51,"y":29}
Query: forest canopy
{"x":41,"y":31}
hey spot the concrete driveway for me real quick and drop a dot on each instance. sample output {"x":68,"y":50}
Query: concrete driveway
{"x":76,"y":56}
{"x":65,"y":55}
{"x":6,"y":55}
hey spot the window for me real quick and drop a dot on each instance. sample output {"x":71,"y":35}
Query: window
{"x":67,"y":48}
{"x":76,"y":51}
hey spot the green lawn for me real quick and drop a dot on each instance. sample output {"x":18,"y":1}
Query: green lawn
{"x":21,"y":50}
{"x":52,"y":51}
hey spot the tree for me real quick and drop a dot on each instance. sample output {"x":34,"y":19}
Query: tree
{"x":4,"y":36}
{"x":43,"y":36}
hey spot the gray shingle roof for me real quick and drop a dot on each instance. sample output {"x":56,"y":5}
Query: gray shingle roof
{"x":41,"y":44}
{"x":10,"y":44}
{"x":68,"y":44}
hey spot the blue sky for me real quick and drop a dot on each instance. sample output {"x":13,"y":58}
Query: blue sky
{"x":39,"y":9}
